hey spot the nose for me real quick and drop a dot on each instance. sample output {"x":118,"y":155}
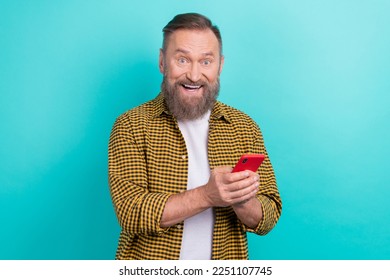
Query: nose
{"x":194,"y":73}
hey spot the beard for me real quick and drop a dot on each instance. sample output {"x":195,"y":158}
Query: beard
{"x":187,"y":107}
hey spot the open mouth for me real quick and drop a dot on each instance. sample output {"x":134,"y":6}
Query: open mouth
{"x":191,"y":87}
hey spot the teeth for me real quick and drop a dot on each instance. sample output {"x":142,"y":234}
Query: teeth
{"x":191,"y":87}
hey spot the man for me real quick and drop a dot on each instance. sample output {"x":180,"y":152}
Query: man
{"x":170,"y":160}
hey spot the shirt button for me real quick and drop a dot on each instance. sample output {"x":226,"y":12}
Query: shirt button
{"x":183,"y":156}
{"x":179,"y":226}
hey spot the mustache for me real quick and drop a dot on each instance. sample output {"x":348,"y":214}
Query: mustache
{"x":191,"y":83}
{"x":182,"y":108}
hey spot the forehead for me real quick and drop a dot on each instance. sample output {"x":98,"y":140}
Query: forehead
{"x":203,"y":41}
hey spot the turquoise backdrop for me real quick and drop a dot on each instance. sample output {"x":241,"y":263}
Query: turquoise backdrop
{"x":313,"y":74}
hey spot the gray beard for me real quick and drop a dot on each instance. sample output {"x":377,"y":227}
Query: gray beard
{"x":186,"y":109}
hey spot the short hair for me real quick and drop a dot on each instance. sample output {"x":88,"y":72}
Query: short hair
{"x":190,"y":21}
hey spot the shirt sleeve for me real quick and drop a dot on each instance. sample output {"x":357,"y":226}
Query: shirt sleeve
{"x":268,"y":193}
{"x":138,"y":210}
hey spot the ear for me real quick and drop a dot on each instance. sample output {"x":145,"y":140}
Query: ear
{"x":161,"y":61}
{"x":221,"y":64}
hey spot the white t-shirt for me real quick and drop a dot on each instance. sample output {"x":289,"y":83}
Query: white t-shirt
{"x":198,"y":230}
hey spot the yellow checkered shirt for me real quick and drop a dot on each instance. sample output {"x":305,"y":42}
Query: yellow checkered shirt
{"x":148,"y":162}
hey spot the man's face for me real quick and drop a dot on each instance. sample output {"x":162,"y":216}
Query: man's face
{"x":191,"y":65}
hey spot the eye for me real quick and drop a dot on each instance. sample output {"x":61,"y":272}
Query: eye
{"x":206,"y":62}
{"x":182,"y":60}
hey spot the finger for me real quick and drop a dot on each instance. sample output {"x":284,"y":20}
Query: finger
{"x":241,"y":192}
{"x":241,"y":180}
{"x":229,"y":198}
{"x":238,"y":176}
{"x":223,"y":169}
{"x":246,"y":198}
{"x":243,"y":199}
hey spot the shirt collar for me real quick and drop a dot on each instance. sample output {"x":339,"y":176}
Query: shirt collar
{"x":159,"y":106}
{"x":218,"y":111}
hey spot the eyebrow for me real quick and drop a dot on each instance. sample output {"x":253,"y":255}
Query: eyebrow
{"x":180,"y":50}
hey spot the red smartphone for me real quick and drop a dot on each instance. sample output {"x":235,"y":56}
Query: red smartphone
{"x":249,"y":162}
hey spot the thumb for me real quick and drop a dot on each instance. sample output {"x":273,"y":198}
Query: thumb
{"x":223,"y":169}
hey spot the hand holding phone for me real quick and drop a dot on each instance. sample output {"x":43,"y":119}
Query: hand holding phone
{"x":249,"y":162}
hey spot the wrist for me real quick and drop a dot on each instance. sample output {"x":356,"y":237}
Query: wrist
{"x":241,"y":203}
{"x":204,"y":197}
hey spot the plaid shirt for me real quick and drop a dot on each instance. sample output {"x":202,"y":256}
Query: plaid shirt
{"x":148,"y":162}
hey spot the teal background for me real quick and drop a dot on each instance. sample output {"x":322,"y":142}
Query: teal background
{"x":313,"y":74}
